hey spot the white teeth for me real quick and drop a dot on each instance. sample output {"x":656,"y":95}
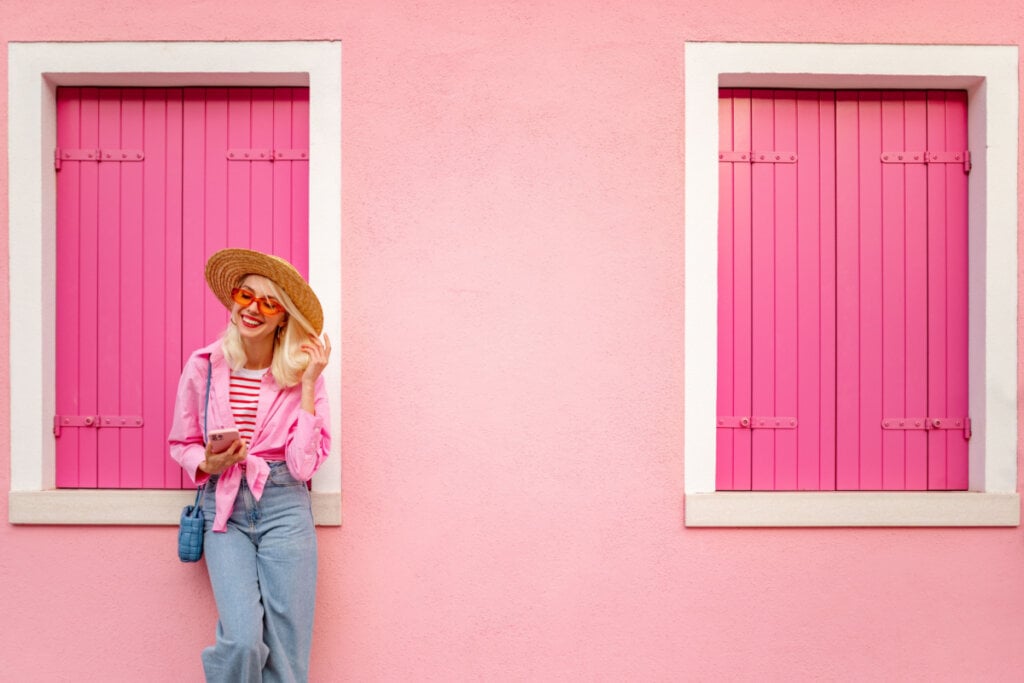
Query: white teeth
{"x":250,"y":322}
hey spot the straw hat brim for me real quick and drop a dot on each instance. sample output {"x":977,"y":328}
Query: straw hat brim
{"x":227,"y":267}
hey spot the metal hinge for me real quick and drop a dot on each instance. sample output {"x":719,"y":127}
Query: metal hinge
{"x":963,"y":423}
{"x":267,"y":154}
{"x":926,"y":157}
{"x":95,"y":421}
{"x":61,"y":155}
{"x":756,"y":422}
{"x":765,"y":157}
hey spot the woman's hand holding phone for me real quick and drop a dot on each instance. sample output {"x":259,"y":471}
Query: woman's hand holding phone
{"x":224,"y":448}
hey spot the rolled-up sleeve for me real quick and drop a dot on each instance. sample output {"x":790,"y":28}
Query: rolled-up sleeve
{"x":309,"y":439}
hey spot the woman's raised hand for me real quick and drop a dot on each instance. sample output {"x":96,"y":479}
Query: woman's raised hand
{"x":319,"y":353}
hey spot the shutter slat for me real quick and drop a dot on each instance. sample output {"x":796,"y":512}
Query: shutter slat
{"x":87,"y":290}
{"x":129,"y":380}
{"x":108,"y":290}
{"x":734,"y":343}
{"x":240,"y":216}
{"x":786,"y":267}
{"x":261,"y":199}
{"x":297,"y":227}
{"x":847,"y":279}
{"x":947,"y":289}
{"x":282,"y":172}
{"x":724,"y":438}
{"x":763,"y":285}
{"x":68,"y":321}
{"x":196,"y":178}
{"x":217,"y":203}
{"x":916,"y":465}
{"x":893,"y":277}
{"x":870,"y":304}
{"x":173,"y":313}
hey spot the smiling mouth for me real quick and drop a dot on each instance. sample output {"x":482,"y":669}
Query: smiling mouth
{"x":251,"y":323}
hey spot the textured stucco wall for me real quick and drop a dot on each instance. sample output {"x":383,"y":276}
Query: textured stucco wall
{"x":513,"y":371}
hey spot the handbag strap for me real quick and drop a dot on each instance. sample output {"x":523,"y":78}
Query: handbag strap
{"x":206,"y":414}
{"x":206,"y":404}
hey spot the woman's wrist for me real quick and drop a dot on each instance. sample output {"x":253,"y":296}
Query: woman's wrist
{"x":308,"y":401}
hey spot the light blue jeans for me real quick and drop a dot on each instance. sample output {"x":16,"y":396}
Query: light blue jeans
{"x":263,"y":572}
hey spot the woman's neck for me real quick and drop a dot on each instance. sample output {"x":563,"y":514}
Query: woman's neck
{"x":258,"y":356}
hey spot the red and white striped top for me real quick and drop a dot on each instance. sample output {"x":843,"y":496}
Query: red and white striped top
{"x":244,"y":398}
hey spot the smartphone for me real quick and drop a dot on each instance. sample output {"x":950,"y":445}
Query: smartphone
{"x":221,"y":439}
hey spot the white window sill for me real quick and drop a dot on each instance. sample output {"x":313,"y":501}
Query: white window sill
{"x":853,"y":509}
{"x":134,"y":507}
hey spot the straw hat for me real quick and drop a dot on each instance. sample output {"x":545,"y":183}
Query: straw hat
{"x":227,"y":267}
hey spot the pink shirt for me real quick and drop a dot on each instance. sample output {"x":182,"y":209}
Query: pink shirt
{"x":283,"y":431}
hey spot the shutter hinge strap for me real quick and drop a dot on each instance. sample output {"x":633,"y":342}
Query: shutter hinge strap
{"x":756,"y":422}
{"x":242,"y":154}
{"x":763,"y":157}
{"x":61,"y":155}
{"x":926,"y":157}
{"x":95,"y":421}
{"x":929,"y":423}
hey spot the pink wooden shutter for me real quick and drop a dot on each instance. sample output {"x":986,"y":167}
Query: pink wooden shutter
{"x":776,"y":291}
{"x":901,"y":305}
{"x":117,"y":301}
{"x":128,"y":274}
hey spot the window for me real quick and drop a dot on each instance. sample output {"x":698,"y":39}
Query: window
{"x":36,"y":71}
{"x":988,"y":75}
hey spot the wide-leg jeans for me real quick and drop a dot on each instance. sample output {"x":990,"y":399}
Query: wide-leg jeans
{"x":263,"y":573}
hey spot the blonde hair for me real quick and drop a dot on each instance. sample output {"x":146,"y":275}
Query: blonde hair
{"x":289,"y":360}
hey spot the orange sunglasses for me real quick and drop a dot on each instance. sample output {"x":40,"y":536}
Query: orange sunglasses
{"x":266,"y":305}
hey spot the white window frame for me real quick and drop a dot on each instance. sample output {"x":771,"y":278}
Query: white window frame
{"x":989,"y":75}
{"x":35,"y":70}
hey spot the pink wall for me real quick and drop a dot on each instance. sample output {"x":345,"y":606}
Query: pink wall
{"x":513,"y":469}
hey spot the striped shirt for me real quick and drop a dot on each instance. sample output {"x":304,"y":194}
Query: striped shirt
{"x":244,"y":397}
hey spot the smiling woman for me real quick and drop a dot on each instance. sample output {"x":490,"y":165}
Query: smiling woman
{"x":263,"y":378}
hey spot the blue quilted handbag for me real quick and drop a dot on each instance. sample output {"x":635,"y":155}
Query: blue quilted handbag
{"x":190,"y":532}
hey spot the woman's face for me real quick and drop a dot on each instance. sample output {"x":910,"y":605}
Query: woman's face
{"x":252,"y":323}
